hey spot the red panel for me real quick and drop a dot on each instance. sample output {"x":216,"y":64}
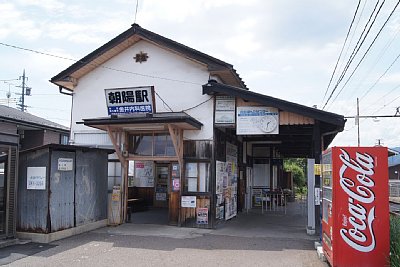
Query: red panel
{"x":360,"y":209}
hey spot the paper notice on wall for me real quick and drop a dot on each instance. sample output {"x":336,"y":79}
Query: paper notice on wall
{"x":202,"y":215}
{"x":144,"y":174}
{"x":36,"y":178}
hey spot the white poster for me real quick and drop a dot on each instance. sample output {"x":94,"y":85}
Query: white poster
{"x":257,"y":120}
{"x":225,"y":110}
{"x":188,"y":201}
{"x":65,"y":164}
{"x":144,"y":174}
{"x":36,"y":178}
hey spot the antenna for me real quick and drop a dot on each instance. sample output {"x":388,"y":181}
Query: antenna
{"x":137,"y":5}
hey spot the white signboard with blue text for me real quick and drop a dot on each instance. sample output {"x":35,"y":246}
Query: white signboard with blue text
{"x":257,"y":120}
{"x":36,"y":178}
{"x":130,"y":100}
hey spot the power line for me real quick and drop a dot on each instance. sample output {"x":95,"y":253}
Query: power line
{"x":376,"y":82}
{"x":386,"y":105}
{"x":378,"y":58}
{"x":356,"y":49}
{"x":366,"y":52}
{"x":341,"y":51}
{"x":205,"y":101}
{"x":164,"y":103}
{"x":388,"y":93}
{"x":100,"y":66}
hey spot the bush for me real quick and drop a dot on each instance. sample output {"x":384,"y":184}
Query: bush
{"x":395,"y":241}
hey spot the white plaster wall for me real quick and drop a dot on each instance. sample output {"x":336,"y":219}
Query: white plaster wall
{"x":89,"y":97}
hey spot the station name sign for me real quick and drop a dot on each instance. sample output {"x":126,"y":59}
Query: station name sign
{"x":130,"y":100}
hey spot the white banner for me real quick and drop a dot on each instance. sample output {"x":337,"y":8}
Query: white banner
{"x":257,"y":120}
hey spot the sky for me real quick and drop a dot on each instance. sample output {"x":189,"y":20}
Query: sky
{"x":282,"y":48}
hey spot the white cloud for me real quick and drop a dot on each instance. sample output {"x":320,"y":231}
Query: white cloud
{"x":43,"y":4}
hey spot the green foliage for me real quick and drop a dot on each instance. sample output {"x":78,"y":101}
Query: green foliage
{"x":395,"y":241}
{"x":297,"y":168}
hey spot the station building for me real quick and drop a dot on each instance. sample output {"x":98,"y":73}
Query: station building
{"x":189,"y":136}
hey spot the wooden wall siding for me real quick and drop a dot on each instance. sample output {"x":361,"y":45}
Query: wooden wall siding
{"x":197,"y":149}
{"x":173,"y":210}
{"x":146,"y":193}
{"x":188,"y":215}
{"x":8,"y":128}
{"x":51,"y":137}
{"x":288,"y":118}
{"x":241,"y":103}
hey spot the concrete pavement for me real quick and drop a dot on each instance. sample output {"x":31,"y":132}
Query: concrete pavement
{"x":251,"y":239}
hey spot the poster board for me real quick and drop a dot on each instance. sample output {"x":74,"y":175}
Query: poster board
{"x":36,"y":178}
{"x":257,"y":120}
{"x":144,"y":174}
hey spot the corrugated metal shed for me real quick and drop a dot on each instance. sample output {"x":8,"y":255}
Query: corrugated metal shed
{"x":75,"y":194}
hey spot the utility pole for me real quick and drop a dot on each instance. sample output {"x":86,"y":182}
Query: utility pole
{"x":25,"y":91}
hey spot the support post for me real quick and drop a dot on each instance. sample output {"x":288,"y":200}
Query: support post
{"x":317,"y":151}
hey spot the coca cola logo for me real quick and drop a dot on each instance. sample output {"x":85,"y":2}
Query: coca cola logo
{"x":356,"y":180}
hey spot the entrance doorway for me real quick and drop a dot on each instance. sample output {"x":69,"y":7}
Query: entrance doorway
{"x":149,"y":197}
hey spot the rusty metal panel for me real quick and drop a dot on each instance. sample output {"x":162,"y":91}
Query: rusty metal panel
{"x":32,"y":205}
{"x":91,"y":186}
{"x":61,"y":197}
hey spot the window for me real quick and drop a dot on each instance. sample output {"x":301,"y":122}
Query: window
{"x":159,"y":144}
{"x":197,"y":176}
{"x":64,"y":139}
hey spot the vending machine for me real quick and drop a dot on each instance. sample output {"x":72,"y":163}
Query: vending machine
{"x":355,"y":206}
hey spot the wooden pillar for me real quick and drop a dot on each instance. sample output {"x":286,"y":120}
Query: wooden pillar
{"x":116,"y":140}
{"x":174,"y":199}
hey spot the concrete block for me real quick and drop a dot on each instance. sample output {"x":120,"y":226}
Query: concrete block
{"x":321,"y":254}
{"x":47,"y":238}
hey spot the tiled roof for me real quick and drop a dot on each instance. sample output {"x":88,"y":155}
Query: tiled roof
{"x":17,"y":116}
{"x":214,"y":64}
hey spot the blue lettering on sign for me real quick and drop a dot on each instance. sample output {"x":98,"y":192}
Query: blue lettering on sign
{"x":129,"y":109}
{"x":256,"y":112}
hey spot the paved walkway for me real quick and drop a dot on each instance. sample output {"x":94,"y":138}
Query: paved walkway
{"x":252,"y":239}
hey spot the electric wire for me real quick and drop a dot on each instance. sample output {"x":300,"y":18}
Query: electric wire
{"x":354,"y":32}
{"x":341,"y":51}
{"x":99,"y":66}
{"x":366,"y":52}
{"x":378,"y":58}
{"x":164,"y":103}
{"x":356,"y":49}
{"x":380,"y":77}
{"x":384,"y":106}
{"x":198,"y":104}
{"x":385,"y":95}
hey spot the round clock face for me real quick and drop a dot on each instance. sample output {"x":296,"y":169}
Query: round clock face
{"x":267,"y":124}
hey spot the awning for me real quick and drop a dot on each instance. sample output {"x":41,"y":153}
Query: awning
{"x":145,"y":122}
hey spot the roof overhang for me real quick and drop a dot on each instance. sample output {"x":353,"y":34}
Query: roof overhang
{"x":213,"y":87}
{"x":69,"y":77}
{"x":145,"y":122}
{"x":292,"y":140}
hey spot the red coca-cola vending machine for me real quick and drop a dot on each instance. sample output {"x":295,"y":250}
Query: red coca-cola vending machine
{"x":355,"y":206}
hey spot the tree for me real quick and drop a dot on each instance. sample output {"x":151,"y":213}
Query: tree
{"x":297,"y":168}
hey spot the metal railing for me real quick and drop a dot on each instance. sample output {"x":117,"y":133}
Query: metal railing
{"x":394,"y":189}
